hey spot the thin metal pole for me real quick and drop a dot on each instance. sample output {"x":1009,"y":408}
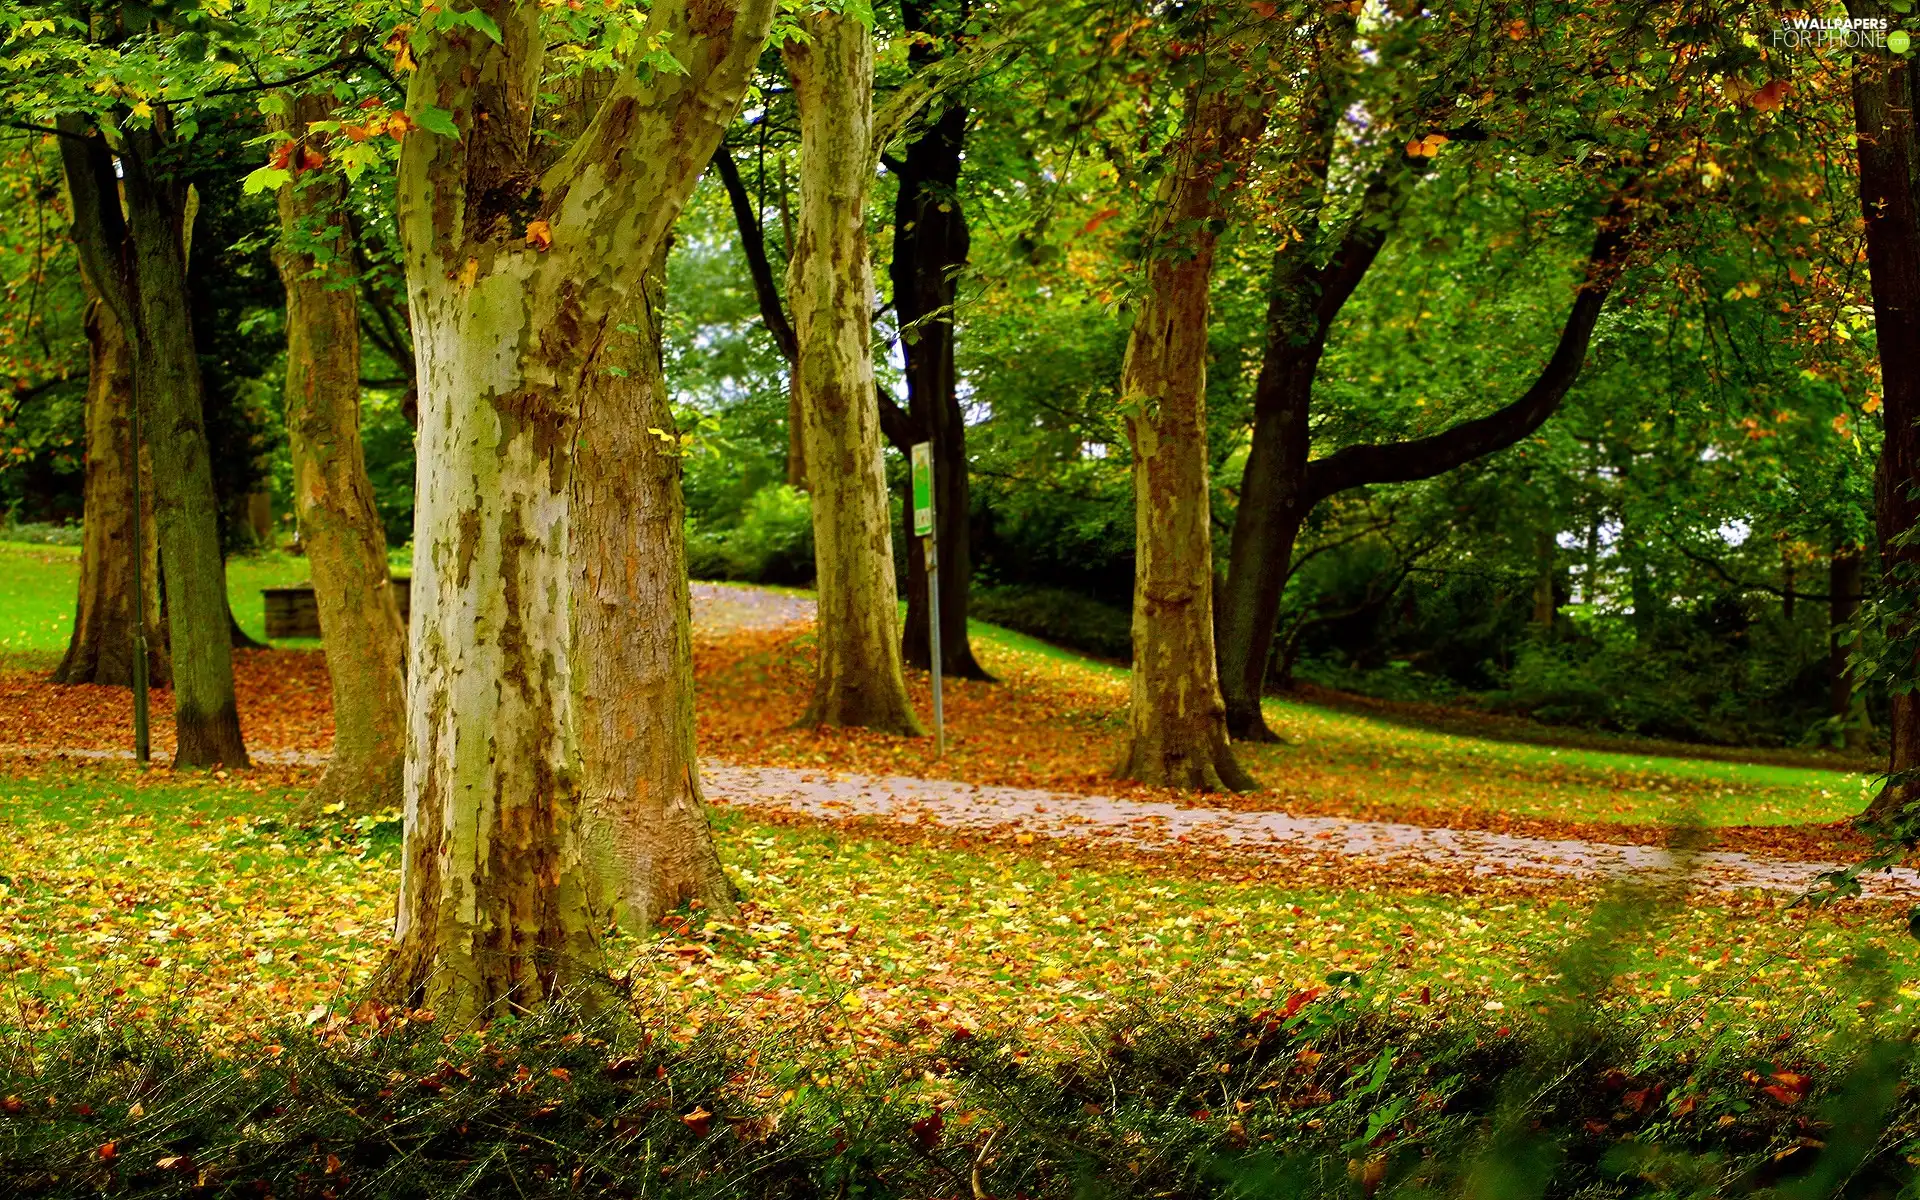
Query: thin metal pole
{"x":933,"y":637}
{"x":141,"y":745}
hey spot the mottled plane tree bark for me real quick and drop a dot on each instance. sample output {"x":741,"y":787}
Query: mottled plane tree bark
{"x":1177,"y":730}
{"x":551,"y":786}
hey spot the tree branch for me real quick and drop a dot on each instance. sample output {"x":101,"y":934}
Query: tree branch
{"x":1424,"y":458}
{"x":99,"y":228}
{"x":896,"y":423}
{"x":753,"y":242}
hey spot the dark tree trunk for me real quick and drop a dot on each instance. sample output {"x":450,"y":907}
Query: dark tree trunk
{"x":135,"y":260}
{"x":1883,"y":107}
{"x":101,"y":648}
{"x":930,"y":244}
{"x":766,"y":293}
{"x":1301,"y":306}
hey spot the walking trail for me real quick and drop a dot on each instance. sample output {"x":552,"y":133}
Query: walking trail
{"x":1164,"y":826}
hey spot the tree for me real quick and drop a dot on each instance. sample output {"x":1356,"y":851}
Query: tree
{"x":1177,"y":733}
{"x":101,"y":649}
{"x":1884,"y":94}
{"x":930,"y":244}
{"x":859,"y":679}
{"x":333,"y":499}
{"x":129,"y":235}
{"x":1281,"y":484}
{"x":551,"y":786}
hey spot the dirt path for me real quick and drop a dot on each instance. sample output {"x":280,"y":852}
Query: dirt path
{"x":1145,"y":825}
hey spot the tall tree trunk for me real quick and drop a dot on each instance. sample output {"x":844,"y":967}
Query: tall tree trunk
{"x":1273,"y":498}
{"x":930,"y":244}
{"x":101,"y":648}
{"x":859,"y":680}
{"x":632,"y":627}
{"x":333,"y":499}
{"x":1884,"y":95}
{"x":1177,"y":729}
{"x":541,"y":572}
{"x":137,"y":263}
{"x":1844,"y":578}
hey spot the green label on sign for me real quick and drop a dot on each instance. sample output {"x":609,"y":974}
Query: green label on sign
{"x":922,"y":488}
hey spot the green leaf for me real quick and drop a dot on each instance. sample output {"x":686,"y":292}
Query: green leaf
{"x":437,"y":120}
{"x":266,"y":179}
{"x":474,"y":18}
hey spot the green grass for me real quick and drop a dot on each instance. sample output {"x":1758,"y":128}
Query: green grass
{"x":37,"y":592}
{"x":38,"y":585}
{"x":194,"y":893}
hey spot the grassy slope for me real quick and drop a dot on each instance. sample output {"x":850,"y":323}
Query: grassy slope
{"x":188,"y":893}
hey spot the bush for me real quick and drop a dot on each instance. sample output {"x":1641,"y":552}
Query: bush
{"x":42,"y":534}
{"x":773,"y":542}
{"x":1059,"y":616}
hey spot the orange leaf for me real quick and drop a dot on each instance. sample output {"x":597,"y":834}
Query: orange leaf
{"x":539,"y":235}
{"x":1770,"y":97}
{"x":109,"y":1151}
{"x":699,"y":1120}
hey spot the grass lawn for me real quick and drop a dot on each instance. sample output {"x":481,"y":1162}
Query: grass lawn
{"x":38,"y":586}
{"x":193,"y":898}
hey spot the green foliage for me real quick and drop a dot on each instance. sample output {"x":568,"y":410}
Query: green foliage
{"x":772,"y":542}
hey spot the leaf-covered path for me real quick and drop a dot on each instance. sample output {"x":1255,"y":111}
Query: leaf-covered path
{"x":1149,"y":825}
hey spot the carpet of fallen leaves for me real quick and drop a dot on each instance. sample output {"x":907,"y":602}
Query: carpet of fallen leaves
{"x":1054,"y":722}
{"x":284,"y":696}
{"x":201,"y":896}
{"x":190,"y":897}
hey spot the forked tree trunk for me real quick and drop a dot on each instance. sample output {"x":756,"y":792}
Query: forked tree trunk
{"x":859,"y":680}
{"x":530,"y":596}
{"x":1884,"y":94}
{"x":1177,"y":727}
{"x":101,"y":648}
{"x":333,"y":499}
{"x":136,"y":262}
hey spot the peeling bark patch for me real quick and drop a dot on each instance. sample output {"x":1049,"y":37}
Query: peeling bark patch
{"x":469,"y":544}
{"x":708,"y":18}
{"x":515,"y":650}
{"x":536,"y":413}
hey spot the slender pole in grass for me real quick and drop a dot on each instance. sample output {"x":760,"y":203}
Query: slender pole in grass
{"x":141,"y":747}
{"x":923,"y":525}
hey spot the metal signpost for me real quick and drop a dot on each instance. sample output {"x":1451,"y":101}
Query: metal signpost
{"x":140,"y":740}
{"x":923,"y":527}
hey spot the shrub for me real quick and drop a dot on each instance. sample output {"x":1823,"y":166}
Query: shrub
{"x":1059,"y":616}
{"x":772,"y":543}
{"x":39,"y":534}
